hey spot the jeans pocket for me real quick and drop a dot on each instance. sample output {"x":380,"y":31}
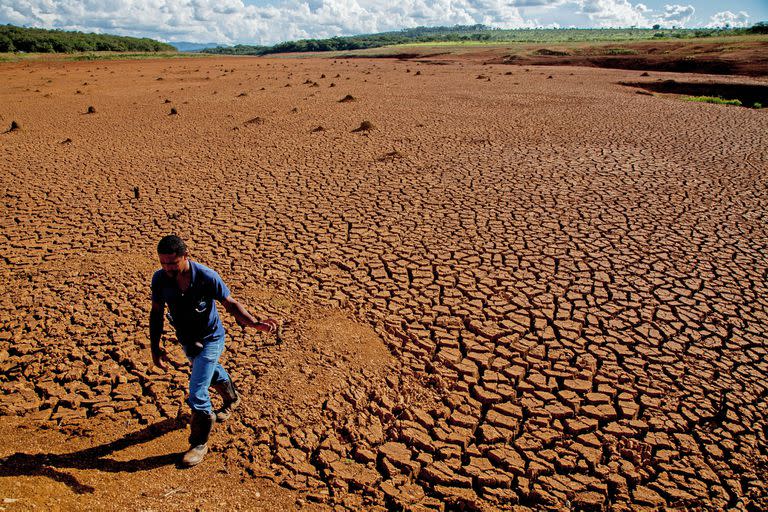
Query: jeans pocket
{"x":193,"y":350}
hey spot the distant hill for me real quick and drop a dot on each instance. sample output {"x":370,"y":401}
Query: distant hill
{"x":38,"y":40}
{"x":184,"y":46}
{"x":481,"y":33}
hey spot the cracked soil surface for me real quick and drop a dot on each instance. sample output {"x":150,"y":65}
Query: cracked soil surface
{"x":507,"y":289}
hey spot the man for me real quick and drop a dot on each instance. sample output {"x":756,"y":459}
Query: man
{"x":190,"y":291}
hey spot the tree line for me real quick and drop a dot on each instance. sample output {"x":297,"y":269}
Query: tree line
{"x":360,"y":42}
{"x":481,"y":33}
{"x":38,"y":40}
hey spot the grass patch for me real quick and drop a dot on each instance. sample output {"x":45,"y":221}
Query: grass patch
{"x":713,"y":99}
{"x":722,"y":101}
{"x":619,"y":51}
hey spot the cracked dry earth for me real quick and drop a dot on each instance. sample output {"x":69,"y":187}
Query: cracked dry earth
{"x":513,"y":289}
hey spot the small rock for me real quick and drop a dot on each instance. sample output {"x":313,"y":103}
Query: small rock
{"x":365,"y":126}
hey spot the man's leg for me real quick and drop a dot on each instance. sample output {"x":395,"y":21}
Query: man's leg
{"x":230,"y":398}
{"x":220,"y":375}
{"x":204,"y":365}
{"x":223,"y":384}
{"x":199,"y":430}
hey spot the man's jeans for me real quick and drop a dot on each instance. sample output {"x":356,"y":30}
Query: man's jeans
{"x":206,"y":371}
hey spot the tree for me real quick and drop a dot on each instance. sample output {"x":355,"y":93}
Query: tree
{"x":40,"y":40}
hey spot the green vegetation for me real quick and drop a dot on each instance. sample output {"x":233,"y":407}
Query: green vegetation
{"x":722,"y":101}
{"x":463,"y":34}
{"x":713,"y":99}
{"x":37,"y":40}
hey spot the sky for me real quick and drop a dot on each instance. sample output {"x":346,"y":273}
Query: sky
{"x":272,"y":21}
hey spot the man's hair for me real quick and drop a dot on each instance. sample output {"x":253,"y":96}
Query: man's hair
{"x":172,"y":244}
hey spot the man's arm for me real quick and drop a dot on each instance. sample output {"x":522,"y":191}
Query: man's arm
{"x":244,"y":318}
{"x":156,"y":321}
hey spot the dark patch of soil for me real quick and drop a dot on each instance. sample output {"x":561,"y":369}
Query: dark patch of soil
{"x":748,"y":94}
{"x":684,"y":65}
{"x":432,"y":62}
{"x":551,"y":53}
{"x":399,"y":56}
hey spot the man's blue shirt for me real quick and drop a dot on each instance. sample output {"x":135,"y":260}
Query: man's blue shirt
{"x":194,"y":312}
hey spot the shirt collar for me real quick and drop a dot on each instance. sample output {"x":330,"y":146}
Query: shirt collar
{"x":193,"y":271}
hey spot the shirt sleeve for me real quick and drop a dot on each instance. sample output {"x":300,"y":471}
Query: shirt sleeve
{"x":157,"y":293}
{"x":220,"y":290}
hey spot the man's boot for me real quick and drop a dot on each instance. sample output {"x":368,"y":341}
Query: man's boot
{"x":200,"y":428}
{"x":229,"y":396}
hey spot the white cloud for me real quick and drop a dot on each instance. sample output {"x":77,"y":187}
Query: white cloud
{"x":614,"y":13}
{"x":676,"y":14}
{"x":729,"y":19}
{"x":234,"y":21}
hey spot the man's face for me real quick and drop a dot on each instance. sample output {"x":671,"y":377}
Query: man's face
{"x":173,"y":265}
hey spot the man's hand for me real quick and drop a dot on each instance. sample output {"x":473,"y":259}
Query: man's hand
{"x":245,"y":319}
{"x":269,"y":325}
{"x":159,"y":358}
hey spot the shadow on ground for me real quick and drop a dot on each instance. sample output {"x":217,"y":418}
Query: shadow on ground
{"x":49,"y":465}
{"x":748,"y":94}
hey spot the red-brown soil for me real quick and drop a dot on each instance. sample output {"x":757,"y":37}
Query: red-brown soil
{"x":536,"y":290}
{"x":746,"y":55}
{"x":722,"y":58}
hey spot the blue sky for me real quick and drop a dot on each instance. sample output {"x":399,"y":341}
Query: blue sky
{"x":272,"y":21}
